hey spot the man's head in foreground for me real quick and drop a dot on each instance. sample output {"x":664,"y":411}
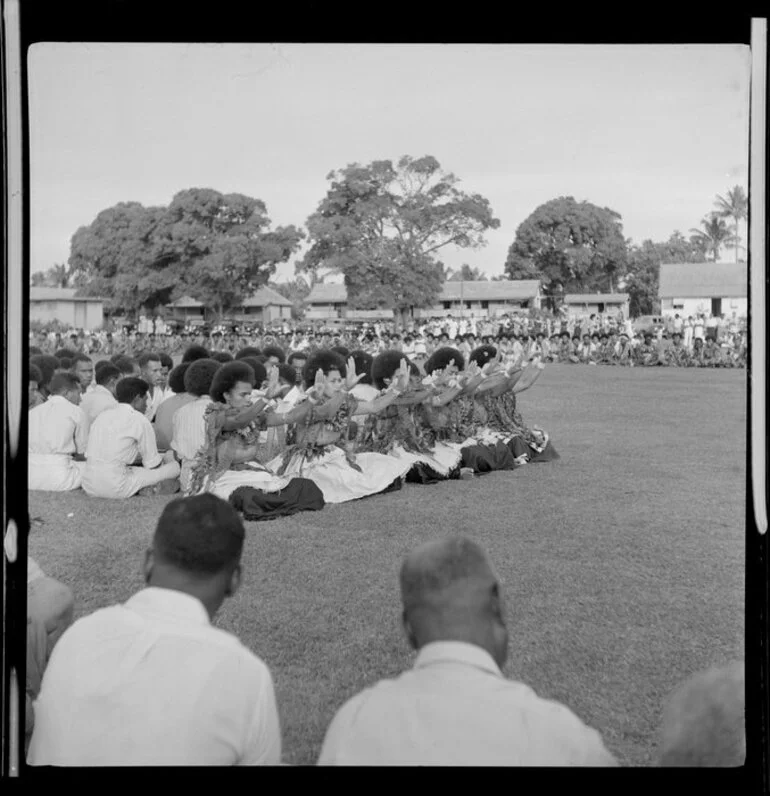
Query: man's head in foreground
{"x":704,"y":722}
{"x":197,"y":549}
{"x":450,"y":592}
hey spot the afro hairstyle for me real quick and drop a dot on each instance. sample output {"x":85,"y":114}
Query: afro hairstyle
{"x":324,"y":360}
{"x":483,"y":354}
{"x":194,"y":352}
{"x":260,"y":371}
{"x":199,"y":376}
{"x":228,"y":375}
{"x":441,"y":358}
{"x":248,"y":351}
{"x":384,"y":366}
{"x":176,"y":377}
{"x":274,"y":351}
{"x":363,"y":362}
{"x":222,"y":356}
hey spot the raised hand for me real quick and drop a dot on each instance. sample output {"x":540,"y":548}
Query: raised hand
{"x":402,"y":376}
{"x":352,"y":379}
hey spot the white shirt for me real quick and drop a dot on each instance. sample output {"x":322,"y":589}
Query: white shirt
{"x":95,"y":401}
{"x":189,"y":428}
{"x":152,"y":682}
{"x":120,"y":435}
{"x":156,"y":399}
{"x":456,"y":708}
{"x":57,"y":427}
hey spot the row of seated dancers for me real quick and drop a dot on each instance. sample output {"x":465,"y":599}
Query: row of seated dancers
{"x":278,"y":437}
{"x":153,"y":682}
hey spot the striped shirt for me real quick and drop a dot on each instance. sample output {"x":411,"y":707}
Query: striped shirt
{"x":189,"y":428}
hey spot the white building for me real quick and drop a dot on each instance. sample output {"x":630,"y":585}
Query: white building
{"x":594,"y":303}
{"x":689,"y":289}
{"x":48,"y":304}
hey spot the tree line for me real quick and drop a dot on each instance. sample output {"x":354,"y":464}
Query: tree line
{"x":383,"y":227}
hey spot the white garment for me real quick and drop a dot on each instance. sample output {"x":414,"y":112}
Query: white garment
{"x":189,"y":435}
{"x":152,"y":682}
{"x":156,"y":399}
{"x":455,"y":708}
{"x":57,"y":430}
{"x":118,"y":437}
{"x":95,"y":401}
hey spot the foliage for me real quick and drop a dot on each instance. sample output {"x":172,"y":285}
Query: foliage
{"x":56,"y":276}
{"x":714,"y":234}
{"x":381,"y":225}
{"x":734,"y":206}
{"x":467,"y":274}
{"x":217,"y":248}
{"x":295,"y":290}
{"x":572,"y":247}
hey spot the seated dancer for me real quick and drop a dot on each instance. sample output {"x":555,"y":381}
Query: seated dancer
{"x":58,"y":434}
{"x":164,"y":417}
{"x":102,"y":396}
{"x":122,"y":458}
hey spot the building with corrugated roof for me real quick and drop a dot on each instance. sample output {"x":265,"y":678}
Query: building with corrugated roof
{"x":264,"y":306}
{"x":48,"y":304}
{"x":689,"y":289}
{"x":594,"y":303}
{"x":482,"y":299}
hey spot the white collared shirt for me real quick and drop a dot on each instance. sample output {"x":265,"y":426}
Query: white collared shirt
{"x":57,"y":427}
{"x":119,"y":436}
{"x":156,"y":399}
{"x":95,"y":401}
{"x":456,"y":708}
{"x":152,"y":682}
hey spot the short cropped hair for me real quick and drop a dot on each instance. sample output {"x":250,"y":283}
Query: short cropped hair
{"x":35,"y":374}
{"x":65,"y":363}
{"x":248,"y":351}
{"x":199,"y":376}
{"x":384,"y":366}
{"x":363,"y":362}
{"x":63,"y":382}
{"x":176,"y":377}
{"x":228,"y":376}
{"x":324,"y":360}
{"x":66,"y":353}
{"x":130,"y":388}
{"x":221,"y":356}
{"x":287,"y":373}
{"x":441,"y":358}
{"x":47,"y":364}
{"x":79,"y":358}
{"x":194,"y":352}
{"x":274,"y":351}
{"x":148,"y":356}
{"x":125,"y":364}
{"x":107,"y":373}
{"x":165,"y":360}
{"x":202,"y":535}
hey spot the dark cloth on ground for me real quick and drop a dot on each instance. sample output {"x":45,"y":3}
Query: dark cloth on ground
{"x":300,"y":494}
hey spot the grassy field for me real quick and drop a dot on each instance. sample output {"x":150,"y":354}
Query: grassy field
{"x":623,"y":562}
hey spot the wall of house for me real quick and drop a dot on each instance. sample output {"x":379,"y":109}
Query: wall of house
{"x":686,"y":307}
{"x":593,"y":307}
{"x":80,"y":314}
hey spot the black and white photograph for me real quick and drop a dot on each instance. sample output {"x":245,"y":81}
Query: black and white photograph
{"x":386,"y":404}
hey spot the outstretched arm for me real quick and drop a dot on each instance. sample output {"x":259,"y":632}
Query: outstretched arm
{"x":244,"y":417}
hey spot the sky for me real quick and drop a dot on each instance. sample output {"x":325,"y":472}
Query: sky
{"x":653,"y":132}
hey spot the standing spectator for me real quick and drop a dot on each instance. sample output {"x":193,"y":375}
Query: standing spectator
{"x":455,"y":707}
{"x":699,"y":328}
{"x":151,"y":682}
{"x":712,"y":327}
{"x":688,"y":327}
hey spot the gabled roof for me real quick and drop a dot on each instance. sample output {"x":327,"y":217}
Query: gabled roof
{"x":596,"y":298}
{"x":266,"y":296}
{"x":490,"y":291}
{"x":703,"y":280}
{"x":184,"y":302}
{"x":451,"y":291}
{"x":58,"y":294}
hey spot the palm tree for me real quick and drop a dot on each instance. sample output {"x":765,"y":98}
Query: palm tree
{"x":736,"y":207}
{"x":713,"y":235}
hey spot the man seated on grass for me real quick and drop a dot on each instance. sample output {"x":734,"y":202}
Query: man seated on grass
{"x":188,"y":425}
{"x":151,"y":682}
{"x":50,"y":610}
{"x":82,"y":366}
{"x":455,"y":707}
{"x":151,"y":370}
{"x":164,"y":417}
{"x":704,"y":722}
{"x":58,"y":434}
{"x":119,"y":439}
{"x":103,"y":394}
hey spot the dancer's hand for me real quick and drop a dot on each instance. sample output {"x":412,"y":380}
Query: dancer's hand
{"x":352,"y":379}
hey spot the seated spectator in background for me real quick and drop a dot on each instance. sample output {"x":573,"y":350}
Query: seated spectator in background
{"x":82,"y":366}
{"x":50,"y":610}
{"x":163,"y":424}
{"x":166,"y":366}
{"x":102,"y":396}
{"x":152,"y":682}
{"x":58,"y":433}
{"x":704,"y":722}
{"x":47,"y":364}
{"x":151,"y":372}
{"x":34,"y":398}
{"x":188,"y":428}
{"x":647,"y":352}
{"x":119,"y":438}
{"x":455,"y":707}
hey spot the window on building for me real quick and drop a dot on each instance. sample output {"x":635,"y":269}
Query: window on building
{"x":484,"y":305}
{"x":525,"y":305}
{"x":600,"y":307}
{"x":467,"y":305}
{"x":447,"y":305}
{"x":678,"y":304}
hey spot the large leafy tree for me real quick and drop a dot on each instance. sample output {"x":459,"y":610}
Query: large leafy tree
{"x":57,"y":275}
{"x":382,"y":225}
{"x":296,"y":291}
{"x":218,"y":248}
{"x":572,"y":247}
{"x":735,"y":207}
{"x":712,"y":235}
{"x":467,"y":274}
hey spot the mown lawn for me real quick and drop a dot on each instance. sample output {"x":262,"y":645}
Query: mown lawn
{"x":623,"y":563}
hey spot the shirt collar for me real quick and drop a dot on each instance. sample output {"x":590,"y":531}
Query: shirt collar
{"x":161,"y":603}
{"x":456,"y":652}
